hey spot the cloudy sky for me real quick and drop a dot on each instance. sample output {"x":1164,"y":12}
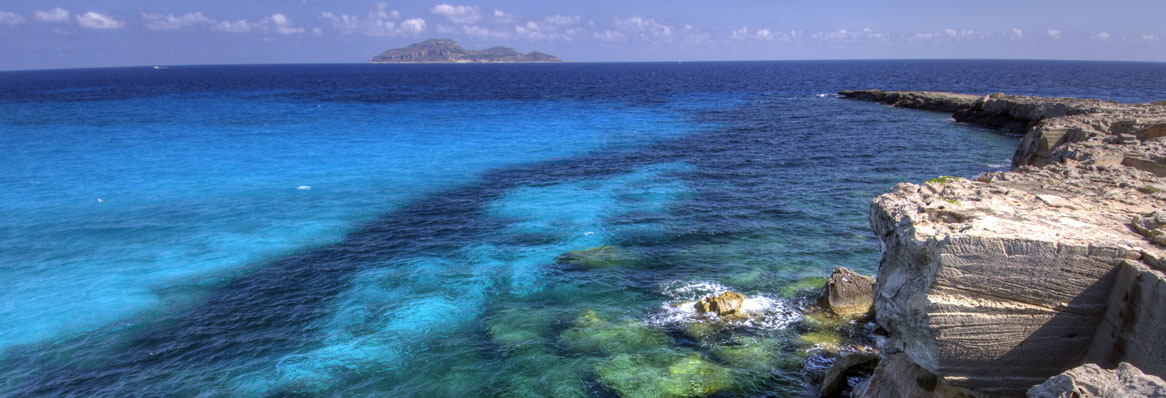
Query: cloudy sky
{"x":68,"y":34}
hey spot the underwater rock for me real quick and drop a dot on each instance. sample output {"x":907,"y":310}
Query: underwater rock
{"x":517,"y":327}
{"x":847,"y":365}
{"x":592,"y":334}
{"x":668,"y":375}
{"x":756,"y":354}
{"x":596,"y":257}
{"x":724,"y":304}
{"x":1090,"y":380}
{"x":847,"y":293}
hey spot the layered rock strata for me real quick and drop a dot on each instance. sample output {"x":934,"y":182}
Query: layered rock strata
{"x":990,"y":286}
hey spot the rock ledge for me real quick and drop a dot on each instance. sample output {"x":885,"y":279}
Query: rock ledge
{"x":990,"y":286}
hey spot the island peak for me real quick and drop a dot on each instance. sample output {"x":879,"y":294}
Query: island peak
{"x":449,"y":51}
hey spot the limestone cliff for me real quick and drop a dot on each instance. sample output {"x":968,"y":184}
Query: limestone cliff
{"x":991,"y":286}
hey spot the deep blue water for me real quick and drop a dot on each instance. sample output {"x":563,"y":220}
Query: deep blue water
{"x":392,"y":230}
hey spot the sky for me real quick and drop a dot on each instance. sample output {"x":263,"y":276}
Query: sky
{"x":46,"y":34}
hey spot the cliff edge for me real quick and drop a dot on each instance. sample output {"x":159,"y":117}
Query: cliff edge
{"x":990,"y":286}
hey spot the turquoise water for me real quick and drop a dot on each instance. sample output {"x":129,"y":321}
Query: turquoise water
{"x":340,"y":230}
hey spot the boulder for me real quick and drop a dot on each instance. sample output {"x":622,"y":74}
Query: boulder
{"x":847,"y":365}
{"x":726,"y":303}
{"x":1090,"y":380}
{"x":847,"y":293}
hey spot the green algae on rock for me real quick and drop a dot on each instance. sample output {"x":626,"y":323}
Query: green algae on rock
{"x":517,"y":327}
{"x":803,"y":286}
{"x":592,"y":334}
{"x":665,"y":375}
{"x":596,"y":257}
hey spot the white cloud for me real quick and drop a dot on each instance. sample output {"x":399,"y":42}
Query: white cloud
{"x":413,"y":26}
{"x":170,"y":21}
{"x":562,"y":20}
{"x":382,"y":11}
{"x":1150,"y":37}
{"x":950,"y":32}
{"x":346,"y":24}
{"x":276,"y":22}
{"x":284,"y":25}
{"x":457,"y":14}
{"x":317,"y":32}
{"x":1103,"y":36}
{"x":54,"y":15}
{"x":1055,"y":34}
{"x":240,"y":26}
{"x":504,"y":17}
{"x":11,"y":18}
{"x":93,"y":20}
{"x":610,"y":35}
{"x":647,"y":27}
{"x":378,"y":22}
{"x":477,"y":31}
{"x":764,"y":34}
{"x":1019,"y":34}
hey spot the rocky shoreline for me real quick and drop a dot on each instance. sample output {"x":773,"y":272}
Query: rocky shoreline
{"x":991,"y":286}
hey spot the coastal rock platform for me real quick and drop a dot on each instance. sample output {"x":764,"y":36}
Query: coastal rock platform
{"x":990,"y":286}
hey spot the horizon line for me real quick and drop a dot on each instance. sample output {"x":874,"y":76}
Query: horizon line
{"x":583,"y":62}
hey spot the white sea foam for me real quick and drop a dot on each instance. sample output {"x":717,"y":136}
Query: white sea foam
{"x":304,"y":187}
{"x":822,"y":95}
{"x":765,"y":312}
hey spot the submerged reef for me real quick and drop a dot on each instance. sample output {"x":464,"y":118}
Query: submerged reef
{"x":990,"y":286}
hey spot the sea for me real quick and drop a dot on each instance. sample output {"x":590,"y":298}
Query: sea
{"x":495,"y":230}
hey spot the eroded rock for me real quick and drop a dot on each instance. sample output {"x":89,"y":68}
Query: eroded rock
{"x":847,"y":365}
{"x":847,"y":293}
{"x":1090,"y":380}
{"x":726,"y":303}
{"x":1047,"y":123}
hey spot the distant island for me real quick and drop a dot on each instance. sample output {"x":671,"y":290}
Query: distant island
{"x":448,"y":51}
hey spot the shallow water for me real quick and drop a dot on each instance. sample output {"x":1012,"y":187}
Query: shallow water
{"x":337,"y":230}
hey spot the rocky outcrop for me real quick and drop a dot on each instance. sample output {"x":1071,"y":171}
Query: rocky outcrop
{"x":449,"y":51}
{"x":1047,"y":123}
{"x":990,"y":286}
{"x":847,"y":293}
{"x":847,"y":365}
{"x":726,"y":303}
{"x":1090,"y":381}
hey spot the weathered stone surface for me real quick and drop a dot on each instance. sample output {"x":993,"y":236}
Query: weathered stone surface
{"x":1152,"y":226}
{"x":897,"y":376}
{"x":1090,"y":380}
{"x":996,"y":284}
{"x":846,"y":365}
{"x":724,"y":304}
{"x":847,"y":293}
{"x":1047,"y":123}
{"x":1134,"y":327}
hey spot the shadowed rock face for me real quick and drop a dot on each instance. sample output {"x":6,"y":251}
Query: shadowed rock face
{"x":993,"y":285}
{"x":1047,"y":123}
{"x":449,"y":51}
